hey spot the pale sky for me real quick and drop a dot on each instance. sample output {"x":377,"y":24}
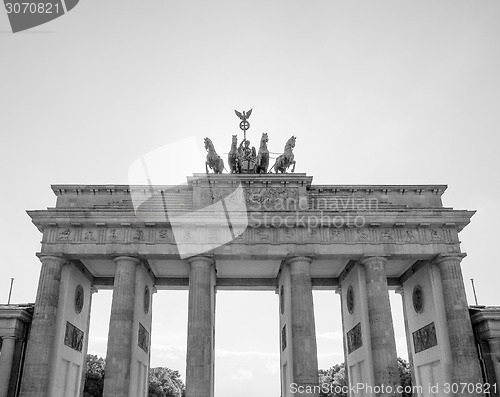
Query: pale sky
{"x":377,"y":92}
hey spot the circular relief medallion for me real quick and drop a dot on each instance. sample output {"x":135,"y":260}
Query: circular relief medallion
{"x":350,"y":299}
{"x":146,"y":300}
{"x":79,"y":299}
{"x":418,"y":299}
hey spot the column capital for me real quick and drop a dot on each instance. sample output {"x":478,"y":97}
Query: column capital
{"x":298,"y":258}
{"x":127,"y":258}
{"x":368,"y":260}
{"x":9,"y":337}
{"x":449,"y":257}
{"x":58,"y":259}
{"x":202,"y":258}
{"x":400,"y":291}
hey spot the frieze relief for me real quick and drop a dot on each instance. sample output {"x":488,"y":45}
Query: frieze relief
{"x":89,"y":235}
{"x":425,"y":338}
{"x":73,"y":337}
{"x":65,"y":234}
{"x":239,"y":239}
{"x":387,"y":235}
{"x":337,"y":235}
{"x":361,"y":235}
{"x":263,"y":235}
{"x":138,"y":235}
{"x":114,"y":234}
{"x":143,"y":338}
{"x":253,"y":235}
{"x":212,"y":235}
{"x":354,"y":338}
{"x":164,"y":235}
{"x":311,"y":235}
{"x":409,"y":235}
{"x":274,"y":198}
{"x":436,"y":235}
{"x":288,"y":235}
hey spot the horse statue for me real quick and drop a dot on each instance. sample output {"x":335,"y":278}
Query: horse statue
{"x":262,"y":162}
{"x":213,"y":159}
{"x":233,"y":157}
{"x":285,"y":160}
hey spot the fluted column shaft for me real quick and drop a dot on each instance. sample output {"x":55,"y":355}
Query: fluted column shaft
{"x":465,"y":361}
{"x":43,"y":329}
{"x":383,"y":342}
{"x":305,"y":355}
{"x":6,"y":357}
{"x":93,"y":290}
{"x":401,"y":292}
{"x":120,"y":337}
{"x":338,"y":291}
{"x":495,"y":358}
{"x":200,"y":347}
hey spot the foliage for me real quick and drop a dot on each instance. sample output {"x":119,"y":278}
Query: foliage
{"x":163,"y":382}
{"x":405,"y":377}
{"x":94,"y":376}
{"x":335,"y":377}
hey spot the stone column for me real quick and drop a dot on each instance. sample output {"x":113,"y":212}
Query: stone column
{"x":383,"y":342}
{"x":43,"y":329}
{"x":494,"y":344}
{"x":303,"y":332}
{"x":495,"y":358}
{"x":93,"y":290}
{"x":201,"y":316}
{"x":338,"y":291}
{"x":6,"y":357}
{"x":465,"y":361}
{"x":120,"y":337}
{"x":401,"y":292}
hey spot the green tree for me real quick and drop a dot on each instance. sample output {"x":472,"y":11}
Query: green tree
{"x":334,"y":378}
{"x":163,"y":382}
{"x":405,"y":377}
{"x":94,"y":376}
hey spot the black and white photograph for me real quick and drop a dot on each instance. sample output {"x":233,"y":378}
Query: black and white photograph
{"x":267,"y":198}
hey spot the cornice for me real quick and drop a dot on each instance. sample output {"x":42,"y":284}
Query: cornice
{"x":402,"y":218}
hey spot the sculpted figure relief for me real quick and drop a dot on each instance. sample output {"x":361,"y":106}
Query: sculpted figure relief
{"x":243,"y":159}
{"x":247,"y":157}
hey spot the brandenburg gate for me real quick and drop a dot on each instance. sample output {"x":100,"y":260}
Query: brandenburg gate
{"x":262,"y":231}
